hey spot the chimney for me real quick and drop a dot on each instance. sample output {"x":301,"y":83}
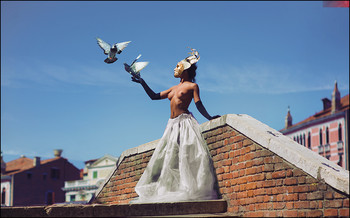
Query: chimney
{"x":288,"y":120}
{"x":36,"y":161}
{"x":326,"y":103}
{"x":335,"y":98}
{"x":57,"y":152}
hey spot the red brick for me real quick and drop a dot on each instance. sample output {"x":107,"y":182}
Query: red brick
{"x":338,"y":195}
{"x":260,"y":191}
{"x":268,"y":168}
{"x":315,"y":195}
{"x":289,"y":205}
{"x":278,"y":174}
{"x":290,"y":213}
{"x":330,"y":212}
{"x":250,"y":171}
{"x":328,"y":195}
{"x":269,"y":183}
{"x":346,"y":202}
{"x":333,"y":203}
{"x":302,"y":196}
{"x":291,"y":197}
{"x":258,"y":177}
{"x":258,"y":161}
{"x":301,"y":179}
{"x":301,"y":188}
{"x":279,"y":190}
{"x":247,"y":142}
{"x":279,"y":205}
{"x":301,"y":204}
{"x":344,"y":212}
{"x":251,"y":186}
{"x":270,"y":214}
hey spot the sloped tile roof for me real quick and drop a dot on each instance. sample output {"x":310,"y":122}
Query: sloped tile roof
{"x":22,"y":164}
{"x":344,"y":105}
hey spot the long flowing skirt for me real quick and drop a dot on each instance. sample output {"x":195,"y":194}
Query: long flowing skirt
{"x":180,"y":168}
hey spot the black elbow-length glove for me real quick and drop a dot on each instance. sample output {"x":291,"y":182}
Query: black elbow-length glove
{"x":203,"y":111}
{"x":149,"y":91}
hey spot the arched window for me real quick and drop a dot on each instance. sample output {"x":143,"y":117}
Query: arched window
{"x":340,"y":138}
{"x":304,"y":142}
{"x":327,"y":135}
{"x":321,"y":142}
{"x":301,"y":140}
{"x":309,"y":140}
{"x":298,"y":139}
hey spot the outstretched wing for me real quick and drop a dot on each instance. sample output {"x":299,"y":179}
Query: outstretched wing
{"x":122,"y":45}
{"x":104,"y":45}
{"x":138,"y":66}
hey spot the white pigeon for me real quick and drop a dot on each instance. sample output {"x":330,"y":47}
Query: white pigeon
{"x":135,"y":67}
{"x":111,"y":51}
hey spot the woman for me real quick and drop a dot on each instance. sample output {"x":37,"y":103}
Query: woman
{"x":180,"y":168}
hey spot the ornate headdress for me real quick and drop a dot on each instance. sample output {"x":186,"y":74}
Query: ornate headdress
{"x":194,"y":58}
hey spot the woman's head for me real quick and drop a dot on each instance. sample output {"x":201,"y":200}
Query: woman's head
{"x":191,"y":71}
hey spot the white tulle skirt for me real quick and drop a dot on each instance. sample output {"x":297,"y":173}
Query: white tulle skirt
{"x":180,"y":168}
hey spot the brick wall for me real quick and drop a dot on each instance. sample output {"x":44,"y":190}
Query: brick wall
{"x":257,"y":182}
{"x":253,"y":180}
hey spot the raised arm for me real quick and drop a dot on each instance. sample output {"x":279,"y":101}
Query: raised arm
{"x":149,"y":91}
{"x":199,"y":104}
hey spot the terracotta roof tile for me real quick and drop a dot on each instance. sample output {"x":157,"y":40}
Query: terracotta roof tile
{"x":23,"y":163}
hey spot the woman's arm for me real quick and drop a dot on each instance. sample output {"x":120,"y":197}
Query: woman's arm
{"x":149,"y":91}
{"x":199,"y":104}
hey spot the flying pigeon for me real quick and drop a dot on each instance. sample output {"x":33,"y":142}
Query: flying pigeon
{"x":135,"y":67}
{"x":111,"y":51}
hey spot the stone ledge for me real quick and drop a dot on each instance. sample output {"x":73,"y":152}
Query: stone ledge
{"x":192,"y":208}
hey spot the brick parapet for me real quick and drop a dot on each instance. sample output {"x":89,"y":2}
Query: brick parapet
{"x":254,"y":180}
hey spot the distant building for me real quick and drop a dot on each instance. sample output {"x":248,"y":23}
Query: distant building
{"x":29,"y":182}
{"x":94,"y":174}
{"x":325,"y":132}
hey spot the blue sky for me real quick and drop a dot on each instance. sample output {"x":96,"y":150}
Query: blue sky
{"x":257,"y":58}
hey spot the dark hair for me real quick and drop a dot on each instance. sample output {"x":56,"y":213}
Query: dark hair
{"x":192,"y":72}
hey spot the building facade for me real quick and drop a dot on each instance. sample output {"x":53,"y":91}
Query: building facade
{"x":94,"y":174}
{"x":30,"y":182}
{"x":325,"y":132}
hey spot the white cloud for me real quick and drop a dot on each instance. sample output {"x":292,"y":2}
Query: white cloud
{"x":263,"y":78}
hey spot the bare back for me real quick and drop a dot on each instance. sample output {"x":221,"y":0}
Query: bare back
{"x":180,"y":97}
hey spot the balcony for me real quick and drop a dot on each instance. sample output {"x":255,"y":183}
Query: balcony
{"x":340,"y":145}
{"x":327,"y":148}
{"x":320,"y":149}
{"x":76,"y":185}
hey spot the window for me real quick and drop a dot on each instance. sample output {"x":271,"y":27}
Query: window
{"x":29,"y":175}
{"x":3,"y":196}
{"x":72,"y":198}
{"x":304,"y":142}
{"x":50,"y":196}
{"x":327,"y":136}
{"x":309,"y":140}
{"x":340,"y":132}
{"x":55,"y":173}
{"x":44,"y":176}
{"x":321,"y":142}
{"x":94,"y":175}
